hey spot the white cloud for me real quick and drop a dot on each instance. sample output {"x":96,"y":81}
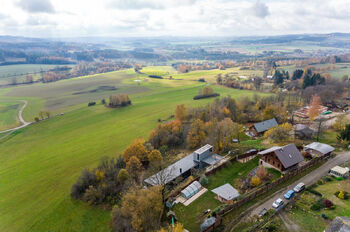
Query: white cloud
{"x":260,"y":9}
{"x":172,"y":17}
{"x":36,"y":6}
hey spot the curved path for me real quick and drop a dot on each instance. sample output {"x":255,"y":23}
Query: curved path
{"x":21,"y":119}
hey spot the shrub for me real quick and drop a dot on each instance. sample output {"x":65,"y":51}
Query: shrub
{"x":205,"y":96}
{"x":204,"y":180}
{"x":36,"y":119}
{"x":324,"y":216}
{"x":255,"y":181}
{"x":315,"y":207}
{"x":92,"y":103}
{"x":341,"y":195}
{"x":320,"y":182}
{"x":327,"y":203}
{"x":201,"y":80}
{"x":155,"y":76}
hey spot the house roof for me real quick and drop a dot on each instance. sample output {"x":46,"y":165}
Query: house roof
{"x":320,"y":147}
{"x":265,"y":125}
{"x":300,"y":127}
{"x":226,"y":192}
{"x":339,"y":224}
{"x":173,"y":171}
{"x":289,"y":155}
{"x":213,"y":159}
{"x":272,"y":149}
{"x":203,"y":149}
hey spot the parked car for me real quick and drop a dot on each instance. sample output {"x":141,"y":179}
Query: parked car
{"x":299,"y":187}
{"x":288,"y":195}
{"x":278,"y":203}
{"x":263,"y":212}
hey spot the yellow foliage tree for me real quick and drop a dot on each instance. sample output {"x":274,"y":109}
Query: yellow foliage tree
{"x":341,"y":195}
{"x":136,"y":148}
{"x":196,"y":135}
{"x":181,"y":113}
{"x":255,"y":181}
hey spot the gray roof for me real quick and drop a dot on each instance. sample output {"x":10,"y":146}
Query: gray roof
{"x":226,"y":191}
{"x":265,"y":125}
{"x":208,"y":222}
{"x":339,"y":224}
{"x":203,"y":149}
{"x":289,"y":155}
{"x":173,"y":171}
{"x":299,"y":127}
{"x":320,"y":147}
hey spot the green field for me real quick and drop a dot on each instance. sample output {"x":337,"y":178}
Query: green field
{"x":8,"y":114}
{"x":39,"y":164}
{"x":20,"y":70}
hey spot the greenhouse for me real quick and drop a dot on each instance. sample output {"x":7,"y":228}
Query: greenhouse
{"x":190,"y":190}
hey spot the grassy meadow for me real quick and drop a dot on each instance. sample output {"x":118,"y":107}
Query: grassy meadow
{"x":20,"y":71}
{"x":39,"y":163}
{"x":8,"y":114}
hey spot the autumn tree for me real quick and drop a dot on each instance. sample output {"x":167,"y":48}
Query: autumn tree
{"x":168,"y":134}
{"x":181,"y":113}
{"x":177,"y":228}
{"x":142,"y":208}
{"x":279,"y":134}
{"x":261,"y":172}
{"x":136,"y":148}
{"x":134,"y":166}
{"x":155,"y":157}
{"x":206,"y":91}
{"x":123,"y":175}
{"x":29,"y":78}
{"x":255,"y":181}
{"x":315,"y":107}
{"x":196,"y":134}
{"x":341,"y":122}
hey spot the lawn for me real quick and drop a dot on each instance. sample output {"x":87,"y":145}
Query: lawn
{"x":8,"y":114}
{"x":39,"y":163}
{"x":192,"y":216}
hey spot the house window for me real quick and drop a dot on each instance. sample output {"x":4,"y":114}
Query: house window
{"x":279,"y":165}
{"x":197,"y":156}
{"x":273,"y":162}
{"x":261,"y":162}
{"x":180,"y":170}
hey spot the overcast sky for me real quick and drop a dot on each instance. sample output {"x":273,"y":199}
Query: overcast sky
{"x":69,"y":18}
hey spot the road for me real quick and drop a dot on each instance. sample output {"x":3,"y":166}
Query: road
{"x":21,"y":119}
{"x":308,"y":180}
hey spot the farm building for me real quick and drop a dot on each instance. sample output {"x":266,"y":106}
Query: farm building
{"x":318,"y":149}
{"x":191,"y":190}
{"x":201,"y":158}
{"x":260,"y":128}
{"x":281,"y":158}
{"x":339,"y":171}
{"x":302,"y":131}
{"x":339,"y":224}
{"x":226,"y":193}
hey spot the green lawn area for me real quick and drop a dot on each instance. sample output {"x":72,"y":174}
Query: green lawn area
{"x":8,"y":114}
{"x":192,"y":215}
{"x":39,"y":163}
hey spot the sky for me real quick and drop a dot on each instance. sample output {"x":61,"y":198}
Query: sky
{"x":123,"y":18}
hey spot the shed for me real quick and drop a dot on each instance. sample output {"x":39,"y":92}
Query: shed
{"x":302,"y":131}
{"x":191,"y":190}
{"x":318,"y":149}
{"x":226,"y":193}
{"x":339,"y":171}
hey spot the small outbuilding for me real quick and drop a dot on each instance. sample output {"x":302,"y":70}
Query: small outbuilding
{"x":318,"y":149}
{"x":339,"y":171}
{"x":191,"y":190}
{"x":302,"y":131}
{"x":226,"y":193}
{"x":208,"y":224}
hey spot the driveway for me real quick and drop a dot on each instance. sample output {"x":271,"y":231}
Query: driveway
{"x":308,"y":180}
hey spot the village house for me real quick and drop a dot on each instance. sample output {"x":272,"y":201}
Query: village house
{"x":226,"y":193}
{"x":318,"y":149}
{"x":260,"y":128}
{"x":199,"y":159}
{"x":281,"y":158}
{"x":304,"y":111}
